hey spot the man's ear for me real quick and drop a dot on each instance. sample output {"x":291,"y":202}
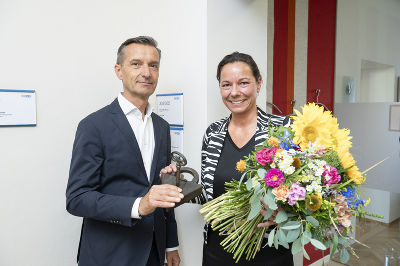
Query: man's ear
{"x":118,"y":72}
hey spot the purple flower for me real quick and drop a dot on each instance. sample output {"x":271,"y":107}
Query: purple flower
{"x":265,"y":156}
{"x":331,"y":175}
{"x":293,"y":198}
{"x":274,"y":177}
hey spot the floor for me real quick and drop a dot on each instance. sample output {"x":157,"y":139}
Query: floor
{"x":380,"y":238}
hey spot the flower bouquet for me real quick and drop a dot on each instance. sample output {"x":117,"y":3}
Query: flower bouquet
{"x":307,"y":176}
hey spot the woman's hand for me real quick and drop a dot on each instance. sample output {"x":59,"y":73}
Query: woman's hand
{"x":271,"y":220}
{"x":168,"y":169}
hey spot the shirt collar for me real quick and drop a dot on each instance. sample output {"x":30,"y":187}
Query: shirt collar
{"x":128,"y":107}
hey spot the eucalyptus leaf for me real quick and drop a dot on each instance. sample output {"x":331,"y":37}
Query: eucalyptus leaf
{"x":312,"y":220}
{"x":305,"y":239}
{"x":276,"y":241}
{"x":281,"y":236}
{"x":281,"y":217}
{"x":270,"y":202}
{"x":254,"y":211}
{"x":268,"y":214}
{"x":249,"y":184}
{"x":291,"y":225}
{"x":292,"y":235}
{"x":307,"y":234}
{"x":344,"y":256}
{"x":257,"y":188}
{"x":316,"y":243}
{"x":255,"y":199}
{"x":305,"y":254}
{"x":261,"y":172}
{"x":335,"y":243}
{"x":285,"y":244}
{"x":342,"y":240}
{"x":296,"y":246}
{"x":271,"y":237}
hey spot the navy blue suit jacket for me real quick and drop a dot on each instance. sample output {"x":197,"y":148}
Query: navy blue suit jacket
{"x":107,"y":174}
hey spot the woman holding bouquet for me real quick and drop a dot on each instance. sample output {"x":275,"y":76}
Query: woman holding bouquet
{"x":229,"y":140}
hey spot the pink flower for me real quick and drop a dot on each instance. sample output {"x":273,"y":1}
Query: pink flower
{"x":331,"y":175}
{"x":274,"y":177}
{"x":265,"y":156}
{"x":297,"y":193}
{"x":300,"y":191}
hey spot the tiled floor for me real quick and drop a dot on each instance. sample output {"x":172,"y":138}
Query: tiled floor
{"x":378,"y":237}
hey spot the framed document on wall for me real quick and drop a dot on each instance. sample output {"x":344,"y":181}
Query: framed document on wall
{"x":17,"y":108}
{"x":394,"y":117}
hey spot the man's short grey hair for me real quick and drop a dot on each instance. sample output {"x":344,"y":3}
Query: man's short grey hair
{"x":145,"y":40}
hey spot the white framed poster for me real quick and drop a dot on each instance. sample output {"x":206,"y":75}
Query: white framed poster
{"x":177,"y":139}
{"x":17,"y":108}
{"x":170,"y":107}
{"x":394,"y":118}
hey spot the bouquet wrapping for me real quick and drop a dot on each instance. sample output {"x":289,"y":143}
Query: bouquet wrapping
{"x":307,"y":176}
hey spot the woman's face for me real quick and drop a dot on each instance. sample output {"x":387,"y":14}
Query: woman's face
{"x":239,"y":87}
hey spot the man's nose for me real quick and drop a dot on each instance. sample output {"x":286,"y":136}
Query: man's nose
{"x":145,"y":71}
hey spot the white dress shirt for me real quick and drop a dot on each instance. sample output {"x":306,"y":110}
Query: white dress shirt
{"x":144,"y":133}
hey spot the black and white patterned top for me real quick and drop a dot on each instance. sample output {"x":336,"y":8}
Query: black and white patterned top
{"x":213,"y":141}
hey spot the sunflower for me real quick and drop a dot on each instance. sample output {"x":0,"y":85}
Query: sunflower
{"x":314,"y":125}
{"x":347,"y":161}
{"x":341,"y":140}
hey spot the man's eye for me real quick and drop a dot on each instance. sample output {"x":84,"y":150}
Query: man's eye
{"x":244,"y":83}
{"x":226,"y":85}
{"x":135,"y":64}
{"x":154,"y":66}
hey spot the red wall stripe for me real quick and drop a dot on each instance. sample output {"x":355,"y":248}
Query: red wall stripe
{"x":283,"y":59}
{"x":321,"y":51}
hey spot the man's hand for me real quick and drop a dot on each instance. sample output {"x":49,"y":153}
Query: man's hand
{"x":162,"y":196}
{"x":173,"y":258}
{"x":168,"y":169}
{"x":271,"y":219}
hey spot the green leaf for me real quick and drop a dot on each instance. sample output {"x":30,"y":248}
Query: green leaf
{"x":305,"y":239}
{"x":271,"y":238}
{"x":291,"y":225}
{"x":305,"y":254}
{"x":292,"y":235}
{"x":281,"y":217}
{"x":249,"y":184}
{"x":285,"y":244}
{"x":296,"y":246}
{"x":270,"y":202}
{"x":344,"y":256}
{"x":268,"y":214}
{"x":257,"y":188}
{"x":281,"y":236}
{"x":312,"y":220}
{"x":242,"y":177}
{"x":316,"y":243}
{"x":276,"y":241}
{"x":261,"y":172}
{"x":255,"y":199}
{"x":254,"y":211}
{"x":342,"y":240}
{"x":335,"y":243}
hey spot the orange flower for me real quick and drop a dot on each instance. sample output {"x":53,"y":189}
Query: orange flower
{"x":240,"y":165}
{"x":273,"y":141}
{"x":281,"y":192}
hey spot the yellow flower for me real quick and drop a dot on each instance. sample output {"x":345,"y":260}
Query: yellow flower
{"x":240,"y":165}
{"x":273,"y":141}
{"x":341,"y":140}
{"x":314,"y":125}
{"x":347,"y":161}
{"x":314,"y":202}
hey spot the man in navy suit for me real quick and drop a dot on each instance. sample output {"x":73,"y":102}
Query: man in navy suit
{"x":114,"y":181}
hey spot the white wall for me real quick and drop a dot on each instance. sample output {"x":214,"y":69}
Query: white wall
{"x":65,"y":50}
{"x":378,"y":85}
{"x":369,"y":30}
{"x":239,"y":25}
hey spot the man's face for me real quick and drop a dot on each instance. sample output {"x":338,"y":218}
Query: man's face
{"x":138,"y":70}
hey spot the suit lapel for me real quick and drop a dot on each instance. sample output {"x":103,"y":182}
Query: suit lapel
{"x":157,"y":143}
{"x":123,"y":125}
